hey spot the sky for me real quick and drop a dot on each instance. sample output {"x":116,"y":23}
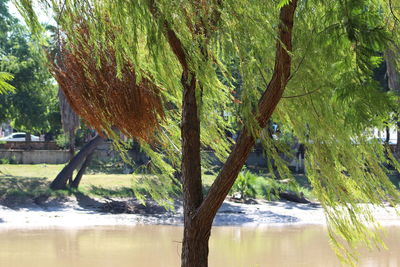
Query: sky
{"x":43,"y":17}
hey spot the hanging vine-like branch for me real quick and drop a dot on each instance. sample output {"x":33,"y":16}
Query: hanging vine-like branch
{"x":101,"y":98}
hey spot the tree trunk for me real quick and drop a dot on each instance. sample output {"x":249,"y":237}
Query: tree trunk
{"x":75,"y":183}
{"x":387,"y":139}
{"x":71,"y":137}
{"x":196,"y":235}
{"x":195,"y":244}
{"x":60,"y":182}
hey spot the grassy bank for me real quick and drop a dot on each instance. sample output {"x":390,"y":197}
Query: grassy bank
{"x":33,"y":181}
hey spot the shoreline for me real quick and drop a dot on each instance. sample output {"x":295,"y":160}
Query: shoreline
{"x":75,"y":213}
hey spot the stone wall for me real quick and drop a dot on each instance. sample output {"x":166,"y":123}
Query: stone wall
{"x":32,"y":145}
{"x":35,"y":156}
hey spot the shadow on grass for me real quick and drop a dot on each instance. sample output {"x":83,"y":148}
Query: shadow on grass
{"x":18,"y":191}
{"x":110,"y":192}
{"x":23,"y":185}
{"x":32,"y":185}
{"x":113,"y":167}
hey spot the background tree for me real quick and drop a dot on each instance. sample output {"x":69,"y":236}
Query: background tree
{"x":315,"y":59}
{"x":79,"y":162}
{"x":33,"y":103}
{"x":69,"y":119}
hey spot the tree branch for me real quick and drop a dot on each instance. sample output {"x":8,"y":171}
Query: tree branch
{"x":271,"y":97}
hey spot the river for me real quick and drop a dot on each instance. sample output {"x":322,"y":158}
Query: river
{"x":159,"y":246}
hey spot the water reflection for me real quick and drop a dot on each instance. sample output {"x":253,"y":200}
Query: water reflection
{"x":154,"y":246}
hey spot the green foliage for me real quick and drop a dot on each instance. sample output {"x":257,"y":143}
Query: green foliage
{"x":283,"y":3}
{"x":33,"y":103}
{"x":155,"y":179}
{"x":4,"y":86}
{"x":62,"y":140}
{"x":244,"y":185}
{"x":12,"y":160}
{"x":4,"y":161}
{"x":330,"y":103}
{"x":261,"y":186}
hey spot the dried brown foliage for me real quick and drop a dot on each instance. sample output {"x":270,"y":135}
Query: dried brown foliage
{"x":103,"y":100}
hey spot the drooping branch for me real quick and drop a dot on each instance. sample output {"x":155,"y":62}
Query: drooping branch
{"x":267,"y":104}
{"x":101,"y":98}
{"x":190,"y":126}
{"x":192,"y":255}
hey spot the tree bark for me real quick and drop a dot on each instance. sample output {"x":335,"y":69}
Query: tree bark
{"x":195,"y":243}
{"x":387,"y":139}
{"x":195,"y":236}
{"x":60,"y":182}
{"x":75,"y":183}
{"x":71,"y":136}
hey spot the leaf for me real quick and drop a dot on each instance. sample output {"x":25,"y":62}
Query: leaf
{"x":283,"y":3}
{"x":4,"y":86}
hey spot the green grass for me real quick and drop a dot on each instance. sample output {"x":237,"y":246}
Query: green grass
{"x":34,"y":180}
{"x":19,"y":181}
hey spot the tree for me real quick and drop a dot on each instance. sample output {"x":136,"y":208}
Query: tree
{"x":80,"y":161}
{"x":179,"y":51}
{"x":33,"y":101}
{"x":69,"y":119}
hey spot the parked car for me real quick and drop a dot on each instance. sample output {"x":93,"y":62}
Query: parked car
{"x":18,"y":137}
{"x":382,"y":140}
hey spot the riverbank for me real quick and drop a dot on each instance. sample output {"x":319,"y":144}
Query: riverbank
{"x":107,"y":200}
{"x":80,"y":211}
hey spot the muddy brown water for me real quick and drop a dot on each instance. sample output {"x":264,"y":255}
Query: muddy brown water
{"x":155,"y":246}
